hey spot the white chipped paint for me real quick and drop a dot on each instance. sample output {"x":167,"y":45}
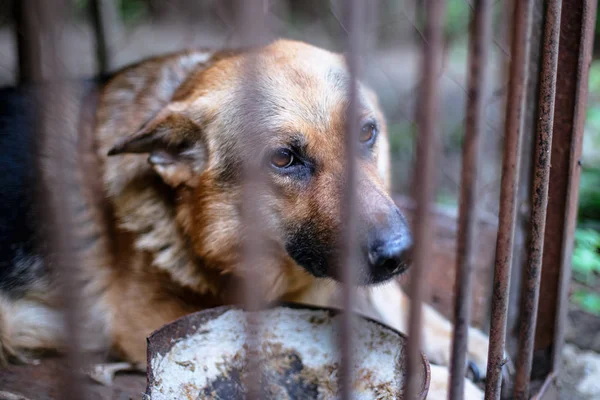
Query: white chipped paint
{"x":198,"y":359}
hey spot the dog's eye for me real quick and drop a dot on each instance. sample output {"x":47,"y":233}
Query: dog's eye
{"x":368,"y":132}
{"x":282,"y":158}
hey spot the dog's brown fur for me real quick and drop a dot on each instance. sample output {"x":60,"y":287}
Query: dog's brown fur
{"x":166,"y":235}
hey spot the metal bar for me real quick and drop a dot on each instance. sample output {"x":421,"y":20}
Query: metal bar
{"x":105,"y":23}
{"x":28,"y":41}
{"x":524,"y":191}
{"x":251,"y":21}
{"x":99,"y":35}
{"x":480,"y":40}
{"x":574,"y":57}
{"x":424,"y":179}
{"x":589,"y":15}
{"x":513,"y":133}
{"x":353,"y":12}
{"x":531,"y":284}
{"x":59,"y":182}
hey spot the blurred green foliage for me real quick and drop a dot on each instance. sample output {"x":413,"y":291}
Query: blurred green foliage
{"x":586,"y":258}
{"x":589,"y":197}
{"x":457,"y":18}
{"x":586,"y":254}
{"x":587,"y":300}
{"x":130,"y":11}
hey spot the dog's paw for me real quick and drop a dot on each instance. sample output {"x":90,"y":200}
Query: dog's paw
{"x":438,"y":347}
{"x":438,"y":385}
{"x":10,"y":355}
{"x":477,"y":354}
{"x":104,"y":374}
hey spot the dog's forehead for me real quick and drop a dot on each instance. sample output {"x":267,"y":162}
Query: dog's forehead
{"x":305,"y":89}
{"x":288,"y":88}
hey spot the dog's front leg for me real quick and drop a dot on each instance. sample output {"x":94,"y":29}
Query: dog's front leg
{"x":392,"y":305}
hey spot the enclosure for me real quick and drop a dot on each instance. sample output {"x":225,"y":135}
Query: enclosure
{"x":486,"y":103}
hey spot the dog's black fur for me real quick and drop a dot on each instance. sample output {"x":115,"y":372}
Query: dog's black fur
{"x":19,"y":266}
{"x":21,"y":203}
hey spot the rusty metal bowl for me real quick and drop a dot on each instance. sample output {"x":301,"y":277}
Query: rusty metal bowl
{"x":203,"y":356}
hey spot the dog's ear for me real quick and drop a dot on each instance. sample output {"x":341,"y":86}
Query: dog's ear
{"x":175,"y":144}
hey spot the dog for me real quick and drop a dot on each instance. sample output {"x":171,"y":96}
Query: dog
{"x":161,"y":177}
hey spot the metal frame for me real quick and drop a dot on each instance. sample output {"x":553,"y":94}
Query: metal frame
{"x":567,"y":46}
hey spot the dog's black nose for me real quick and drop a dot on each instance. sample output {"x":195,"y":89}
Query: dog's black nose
{"x":389,"y":247}
{"x":390,"y":256}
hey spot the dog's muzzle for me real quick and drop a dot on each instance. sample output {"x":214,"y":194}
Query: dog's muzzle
{"x":389,"y":248}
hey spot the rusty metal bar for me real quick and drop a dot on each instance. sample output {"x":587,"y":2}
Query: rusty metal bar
{"x":586,"y":35}
{"x":574,"y":58}
{"x":424,"y":179}
{"x":480,"y":40}
{"x":354,"y":16}
{"x":57,"y":126}
{"x":99,"y":26}
{"x":531,"y":284}
{"x":28,"y":41}
{"x":251,"y":21}
{"x":513,"y":133}
{"x":104,"y":15}
{"x":525,"y":183}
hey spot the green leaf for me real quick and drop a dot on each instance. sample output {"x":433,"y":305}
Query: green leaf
{"x":594,"y":82}
{"x":586,"y":255}
{"x":587,"y":300}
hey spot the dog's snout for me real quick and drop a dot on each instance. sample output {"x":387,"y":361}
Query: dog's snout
{"x":391,"y":254}
{"x":389,"y":249}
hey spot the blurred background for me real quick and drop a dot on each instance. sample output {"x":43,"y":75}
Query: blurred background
{"x":136,"y":29}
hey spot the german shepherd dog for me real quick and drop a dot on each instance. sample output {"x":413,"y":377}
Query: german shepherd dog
{"x":162,"y":202}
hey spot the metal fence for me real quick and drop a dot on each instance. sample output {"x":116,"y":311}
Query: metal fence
{"x":556,"y":104}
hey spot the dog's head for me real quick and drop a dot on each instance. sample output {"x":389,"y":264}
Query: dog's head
{"x":294,"y":108}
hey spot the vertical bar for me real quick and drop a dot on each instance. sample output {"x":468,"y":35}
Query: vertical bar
{"x":354,"y":12}
{"x":480,"y":40}
{"x":105,"y":22}
{"x":588,"y":24}
{"x":59,"y":182}
{"x":524,"y":195}
{"x":574,"y":57}
{"x":511,"y":162}
{"x":531,"y":284}
{"x":99,"y":26}
{"x":250,"y":20}
{"x":424,"y":179}
{"x":28,"y":41}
